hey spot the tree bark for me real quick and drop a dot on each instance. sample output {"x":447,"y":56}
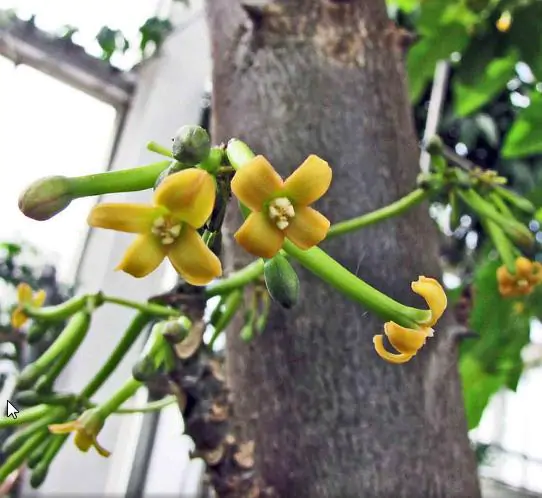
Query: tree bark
{"x":330,"y":418}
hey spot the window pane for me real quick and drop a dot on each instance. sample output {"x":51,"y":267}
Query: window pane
{"x":48,"y":128}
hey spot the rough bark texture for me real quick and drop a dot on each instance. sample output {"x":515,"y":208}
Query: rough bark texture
{"x":328,"y":416}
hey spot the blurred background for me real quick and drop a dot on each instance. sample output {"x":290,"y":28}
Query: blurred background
{"x":84,"y":85}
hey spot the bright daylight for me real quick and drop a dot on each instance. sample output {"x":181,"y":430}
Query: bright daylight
{"x":278,"y":249}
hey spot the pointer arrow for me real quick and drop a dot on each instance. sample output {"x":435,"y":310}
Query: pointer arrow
{"x":11,"y":410}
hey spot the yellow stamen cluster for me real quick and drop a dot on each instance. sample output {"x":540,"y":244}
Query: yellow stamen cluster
{"x":528,"y":274}
{"x":166,"y":230}
{"x":281,"y":212}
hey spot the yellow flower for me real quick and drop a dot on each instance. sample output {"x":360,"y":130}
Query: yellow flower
{"x":504,"y":22}
{"x":281,"y":208}
{"x":86,"y":428}
{"x":406,"y":340}
{"x":181,"y":204}
{"x":25,"y":297}
{"x":528,"y":274}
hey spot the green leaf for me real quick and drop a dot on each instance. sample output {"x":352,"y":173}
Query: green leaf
{"x":405,"y":5}
{"x":478,"y":387}
{"x":525,"y":136}
{"x":470,"y":97}
{"x":424,"y":55}
{"x":154,"y":31}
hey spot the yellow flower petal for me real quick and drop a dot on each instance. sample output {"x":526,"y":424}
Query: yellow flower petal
{"x":131,"y":218}
{"x":192,"y":259}
{"x":64,"y":428}
{"x":434,"y":295}
{"x":24,"y":293}
{"x":259,"y":237}
{"x":309,"y":182}
{"x":386,"y":355}
{"x":504,"y":277}
{"x":524,"y":267}
{"x":256,"y":182}
{"x":18,"y":318}
{"x":307,"y":228}
{"x":406,"y":341}
{"x":142,"y":257}
{"x":82,"y":440}
{"x":100,"y":449}
{"x":39,"y":299}
{"x":189,"y":195}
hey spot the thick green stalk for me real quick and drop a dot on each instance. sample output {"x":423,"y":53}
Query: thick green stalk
{"x":16,"y":459}
{"x":329,"y":270}
{"x":394,"y":209}
{"x":153,"y":406}
{"x":59,"y":312}
{"x":231,"y":305}
{"x":132,"y":333}
{"x":68,"y":340}
{"x":42,"y":467}
{"x":25,"y":417}
{"x":126,"y":180}
{"x":129,"y":388}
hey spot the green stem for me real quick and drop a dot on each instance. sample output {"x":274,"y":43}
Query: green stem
{"x":231,"y":305}
{"x":394,"y":209}
{"x":132,"y":333}
{"x":121,"y":396}
{"x":159,"y":149}
{"x":25,"y":417}
{"x":16,"y":459}
{"x":59,"y":312}
{"x":126,"y":180}
{"x":153,"y":406}
{"x":502,"y":244}
{"x":150,"y":308}
{"x":237,"y":279}
{"x":329,"y":270}
{"x":68,"y":340}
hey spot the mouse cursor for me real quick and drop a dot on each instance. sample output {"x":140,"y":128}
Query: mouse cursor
{"x":11,"y":411}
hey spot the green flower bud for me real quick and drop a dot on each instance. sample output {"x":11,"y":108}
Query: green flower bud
{"x":176,"y":330}
{"x":191,"y":145}
{"x":281,"y":281}
{"x":46,"y":197}
{"x":434,"y":145}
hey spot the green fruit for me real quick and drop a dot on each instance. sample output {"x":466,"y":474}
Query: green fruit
{"x":37,"y":332}
{"x":191,"y":145}
{"x":281,"y":281}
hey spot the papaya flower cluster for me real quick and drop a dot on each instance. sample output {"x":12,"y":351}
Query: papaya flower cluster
{"x":408,"y":341}
{"x":527,"y":275}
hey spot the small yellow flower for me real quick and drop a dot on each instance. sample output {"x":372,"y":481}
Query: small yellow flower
{"x":281,"y":208}
{"x":86,"y":428}
{"x":528,"y":274}
{"x":406,"y":340}
{"x":182,"y":203}
{"x":504,"y":22}
{"x":25,"y":297}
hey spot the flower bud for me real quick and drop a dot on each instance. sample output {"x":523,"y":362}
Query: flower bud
{"x":46,"y":197}
{"x":281,"y":281}
{"x":434,"y":145}
{"x":191,"y":145}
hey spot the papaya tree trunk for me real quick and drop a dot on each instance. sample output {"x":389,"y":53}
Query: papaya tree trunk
{"x":328,"y":417}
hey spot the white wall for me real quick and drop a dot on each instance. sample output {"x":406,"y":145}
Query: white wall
{"x":168,"y":96}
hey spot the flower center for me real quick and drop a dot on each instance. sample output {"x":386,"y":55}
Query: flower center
{"x":166,"y":230}
{"x":523,"y":283}
{"x":281,"y":212}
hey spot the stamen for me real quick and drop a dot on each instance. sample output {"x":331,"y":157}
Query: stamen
{"x":281,"y":211}
{"x":166,"y":230}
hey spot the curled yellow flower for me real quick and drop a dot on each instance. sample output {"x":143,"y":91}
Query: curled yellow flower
{"x":167,"y":228}
{"x":528,"y":274}
{"x":281,"y":208}
{"x":408,"y":341}
{"x":86,"y":428}
{"x":25,"y":297}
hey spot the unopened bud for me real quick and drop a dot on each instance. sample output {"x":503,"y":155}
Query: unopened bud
{"x":191,"y":145}
{"x":46,"y":197}
{"x":434,"y":145}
